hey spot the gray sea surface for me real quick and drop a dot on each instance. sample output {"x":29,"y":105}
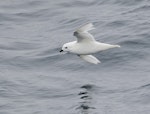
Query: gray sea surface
{"x":36,"y":79}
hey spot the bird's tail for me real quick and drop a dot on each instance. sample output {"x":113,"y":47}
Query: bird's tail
{"x":86,"y":28}
{"x":117,"y":46}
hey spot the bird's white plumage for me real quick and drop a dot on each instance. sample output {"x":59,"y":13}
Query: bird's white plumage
{"x":86,"y":27}
{"x":90,"y":59}
{"x":82,"y":33}
{"x":86,"y":44}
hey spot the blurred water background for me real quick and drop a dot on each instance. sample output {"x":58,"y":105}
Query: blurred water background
{"x":36,"y":79}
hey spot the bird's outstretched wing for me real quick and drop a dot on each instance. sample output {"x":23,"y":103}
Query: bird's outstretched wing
{"x":90,"y":59}
{"x":82,"y":33}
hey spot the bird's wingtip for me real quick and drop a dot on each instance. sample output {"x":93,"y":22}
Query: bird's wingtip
{"x":86,"y":27}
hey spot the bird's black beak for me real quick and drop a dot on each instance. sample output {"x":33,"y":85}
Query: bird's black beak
{"x":61,"y":51}
{"x":75,"y":33}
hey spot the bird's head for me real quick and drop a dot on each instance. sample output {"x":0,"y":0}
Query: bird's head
{"x":65,"y":48}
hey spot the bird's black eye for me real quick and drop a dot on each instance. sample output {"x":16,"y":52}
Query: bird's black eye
{"x":66,"y":47}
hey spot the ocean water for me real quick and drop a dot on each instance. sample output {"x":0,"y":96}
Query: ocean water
{"x":36,"y":79}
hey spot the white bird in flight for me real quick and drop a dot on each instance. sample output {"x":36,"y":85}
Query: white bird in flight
{"x":86,"y":44}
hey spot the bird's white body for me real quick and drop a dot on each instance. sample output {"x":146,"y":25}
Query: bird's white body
{"x":86,"y":44}
{"x":88,"y":48}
